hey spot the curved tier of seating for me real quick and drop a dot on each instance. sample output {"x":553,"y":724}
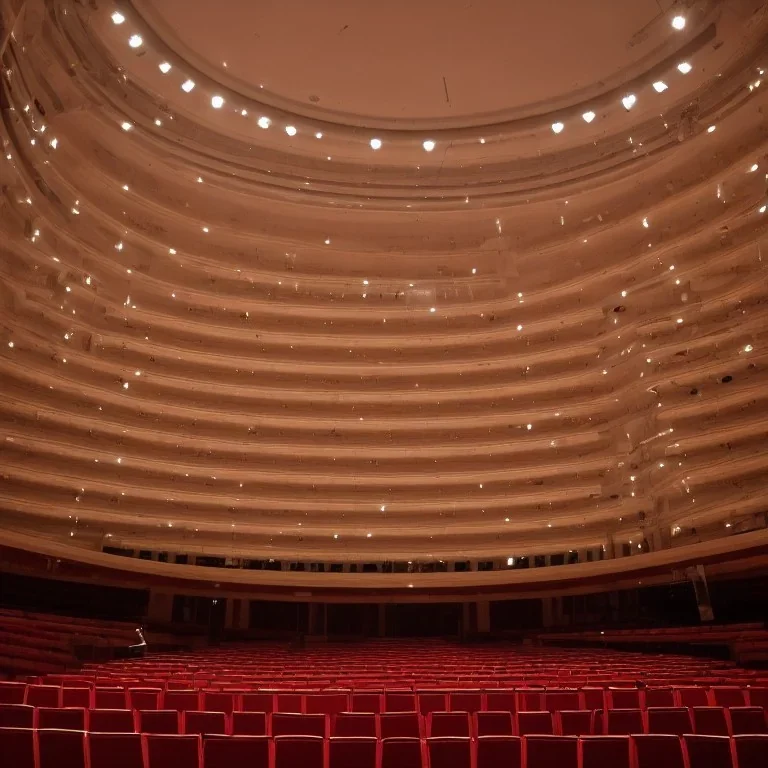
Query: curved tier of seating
{"x":29,"y":748}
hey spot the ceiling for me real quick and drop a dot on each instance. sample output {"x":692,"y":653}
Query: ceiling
{"x":342,"y":318}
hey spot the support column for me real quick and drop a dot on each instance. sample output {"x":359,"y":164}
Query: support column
{"x":381,"y":623}
{"x":547,"y":614}
{"x":160,"y":608}
{"x":229,"y":614}
{"x":313,"y":619}
{"x":483,"y":617}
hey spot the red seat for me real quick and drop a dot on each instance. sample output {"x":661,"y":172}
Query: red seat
{"x":465,"y":701}
{"x":109,"y":698}
{"x":659,"y":697}
{"x":235,"y":752}
{"x":181,"y":701}
{"x":67,"y":719}
{"x":366,"y":701}
{"x":205,"y":722}
{"x":12,"y":692}
{"x":530,"y":723}
{"x":593,"y":697}
{"x":289,"y":702}
{"x":352,"y":752}
{"x":624,"y":698}
{"x":144,"y":698}
{"x":673,"y":720}
{"x":692,"y":697}
{"x":115,"y":750}
{"x":297,"y":724}
{"x":708,"y":751}
{"x":529,"y":700}
{"x":747,"y":720}
{"x":494,"y":724}
{"x":258,"y":701}
{"x":17,"y":716}
{"x":658,"y":751}
{"x":111,"y":721}
{"x":751,"y":750}
{"x":218,"y":701}
{"x":399,"y":701}
{"x":399,"y":724}
{"x":172,"y":751}
{"x":326,"y":703}
{"x":17,"y":746}
{"x":43,"y":695}
{"x":354,"y":724}
{"x":498,"y":751}
{"x":295,"y":751}
{"x":76,"y":697}
{"x":501,"y":700}
{"x":449,"y":752}
{"x":61,"y":749}
{"x":622,"y":722}
{"x":431,"y":701}
{"x":575,"y":722}
{"x":551,"y":752}
{"x":710,"y":721}
{"x":401,"y":752}
{"x":605,"y":752}
{"x":758,"y":697}
{"x":161,"y":721}
{"x":249,"y":724}
{"x":557,"y":700}
{"x":728,"y":696}
{"x":448,"y":724}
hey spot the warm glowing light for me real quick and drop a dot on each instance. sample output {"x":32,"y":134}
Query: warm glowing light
{"x":660,"y":86}
{"x":629,"y":101}
{"x":678,"y":22}
{"x":588,"y":117}
{"x":711,"y":129}
{"x":135,"y":41}
{"x":558,"y":127}
{"x":217,"y":102}
{"x":291,"y":130}
{"x":187,"y":86}
{"x":375,"y":144}
{"x":117,"y":18}
{"x":428,"y":145}
{"x":164,"y":67}
{"x":684,"y":67}
{"x":264,"y":122}
{"x":126,"y":126}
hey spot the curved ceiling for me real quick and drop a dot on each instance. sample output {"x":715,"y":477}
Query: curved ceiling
{"x":376,"y":325}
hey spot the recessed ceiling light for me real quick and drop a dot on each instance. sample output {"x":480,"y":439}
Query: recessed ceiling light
{"x":375,"y":143}
{"x":558,"y":127}
{"x":319,"y":135}
{"x":290,"y":130}
{"x":135,"y":41}
{"x":187,"y":85}
{"x":118,"y":18}
{"x":428,"y":145}
{"x":126,"y":126}
{"x":684,"y":67}
{"x":660,"y":86}
{"x":588,"y":117}
{"x":711,"y":129}
{"x":629,"y":101}
{"x":217,"y":102}
{"x":264,"y":122}
{"x":753,"y":167}
{"x":164,"y":67}
{"x":678,"y":22}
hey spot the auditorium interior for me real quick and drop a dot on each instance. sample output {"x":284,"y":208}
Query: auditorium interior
{"x":383,"y":385}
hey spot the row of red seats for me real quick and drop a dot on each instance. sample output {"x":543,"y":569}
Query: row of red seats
{"x":424,"y":701}
{"x":28,"y":748}
{"x":713,"y":721}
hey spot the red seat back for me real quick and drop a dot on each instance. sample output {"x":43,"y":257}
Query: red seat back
{"x":448,"y":724}
{"x":205,"y":722}
{"x":17,"y":746}
{"x":354,"y":724}
{"x":622,"y":722}
{"x":296,"y":724}
{"x":111,"y":721}
{"x":399,"y":724}
{"x":496,"y":751}
{"x":708,"y":751}
{"x":43,"y":695}
{"x":605,"y":752}
{"x":494,"y":724}
{"x":172,"y":751}
{"x":576,"y":722}
{"x":249,"y":724}
{"x":115,"y":750}
{"x":295,"y":751}
{"x":674,"y":720}
{"x":401,"y":752}
{"x":12,"y":692}
{"x":465,"y":701}
{"x":549,"y":751}
{"x":658,"y":751}
{"x":449,"y":752}
{"x":235,"y":752}
{"x":161,"y":721}
{"x":326,"y":703}
{"x":533,"y":723}
{"x":747,"y":720}
{"x":709,"y":721}
{"x":17,"y":716}
{"x":69,"y":718}
{"x":751,"y":750}
{"x":61,"y":749}
{"x":352,"y":752}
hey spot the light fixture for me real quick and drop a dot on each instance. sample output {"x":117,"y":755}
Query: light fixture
{"x":660,"y":86}
{"x":558,"y":127}
{"x":428,"y":145}
{"x":291,"y":130}
{"x":164,"y":67}
{"x":117,"y":18}
{"x":187,"y":86}
{"x":684,"y":67}
{"x":135,"y":41}
{"x":126,"y":126}
{"x":264,"y":122}
{"x":217,"y":102}
{"x":629,"y":101}
{"x":375,"y":144}
{"x":678,"y":22}
{"x":588,"y":117}
{"x":711,"y":129}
